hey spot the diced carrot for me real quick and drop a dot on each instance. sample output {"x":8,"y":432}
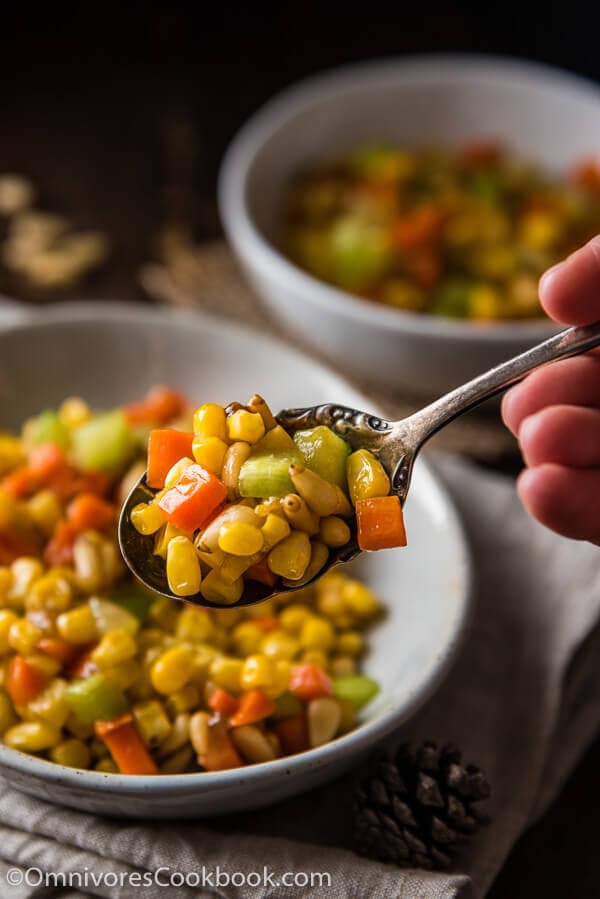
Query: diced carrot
{"x":481,"y":152}
{"x":308,"y":681}
{"x":166,"y":446}
{"x":292,"y":733}
{"x":160,"y":406}
{"x":261,"y":572}
{"x":254,"y":706}
{"x":193,"y":498}
{"x":220,"y":753}
{"x":126,"y":746}
{"x":380,"y":523}
{"x":47,"y":460}
{"x":425,"y":266}
{"x":59,"y":549}
{"x":58,"y":649}
{"x":20,"y":483}
{"x":223,"y":702}
{"x":418,"y":228}
{"x":12,"y":546}
{"x":90,"y":512}
{"x":586,"y":174}
{"x":23,"y":680}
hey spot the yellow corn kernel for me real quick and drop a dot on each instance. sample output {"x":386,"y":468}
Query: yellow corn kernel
{"x":73,"y":412}
{"x":50,"y":705}
{"x":316,"y":657}
{"x":264,"y":609}
{"x":246,"y":638}
{"x":163,"y":537}
{"x":71,"y":753}
{"x":279,"y":645}
{"x":208,"y":539}
{"x":318,"y":556}
{"x":6,"y":580}
{"x":24,"y":636}
{"x":209,"y":421}
{"x":115,"y":647}
{"x":183,"y":700}
{"x":330,"y":603}
{"x":290,"y":558}
{"x":234,"y":567}
{"x":194,"y":625}
{"x":258,"y":404}
{"x":45,"y":511}
{"x":317,"y":633}
{"x":124,"y":674}
{"x":183,"y":567}
{"x":151,"y":722}
{"x":79,"y":730}
{"x":258,"y":672}
{"x":240,"y":539}
{"x":210,"y":453}
{"x":77,"y":625}
{"x":299,"y":515}
{"x":252,"y":743}
{"x":281,"y":678}
{"x":235,"y":457}
{"x":164,"y":613}
{"x":52,"y":591}
{"x":227,"y":618}
{"x":292,"y":618}
{"x":172,"y":669}
{"x":360,"y":600}
{"x":32,"y":736}
{"x":216,"y":589}
{"x":147,"y":518}
{"x":226,"y":672}
{"x":350,"y":643}
{"x":322,"y":497}
{"x":366,"y":476}
{"x":270,"y":506}
{"x":7,"y":619}
{"x":176,"y":470}
{"x":25,"y":571}
{"x":246,"y":426}
{"x":179,"y":762}
{"x":11,"y":453}
{"x":342,"y":666}
{"x":7,"y":713}
{"x":179,"y":736}
{"x":276,"y":440}
{"x":106,"y":766}
{"x":274,"y":529}
{"x":334,"y":531}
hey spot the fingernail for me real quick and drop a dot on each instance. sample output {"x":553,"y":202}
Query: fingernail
{"x":549,"y":275}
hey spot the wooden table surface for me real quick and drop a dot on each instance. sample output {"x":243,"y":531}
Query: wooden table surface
{"x":89,"y":115}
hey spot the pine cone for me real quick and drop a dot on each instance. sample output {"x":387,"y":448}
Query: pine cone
{"x":416,"y":809}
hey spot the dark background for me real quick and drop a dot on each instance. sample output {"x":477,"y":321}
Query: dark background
{"x":88,"y":102}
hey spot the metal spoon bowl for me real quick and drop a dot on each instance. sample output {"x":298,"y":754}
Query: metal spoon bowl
{"x":395,"y":443}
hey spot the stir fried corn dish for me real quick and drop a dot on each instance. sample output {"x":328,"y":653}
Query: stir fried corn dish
{"x":238,"y":498}
{"x":98,"y":673}
{"x":464,"y":233}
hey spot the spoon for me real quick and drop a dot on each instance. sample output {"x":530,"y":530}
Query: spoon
{"x":395,"y":443}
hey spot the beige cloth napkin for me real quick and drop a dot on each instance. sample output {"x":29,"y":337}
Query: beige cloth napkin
{"x":523,"y":701}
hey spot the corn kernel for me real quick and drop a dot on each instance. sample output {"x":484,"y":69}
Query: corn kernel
{"x":147,"y":518}
{"x":73,"y":412}
{"x":291,"y":557}
{"x":183,"y":567}
{"x":6,"y":580}
{"x":77,"y":625}
{"x":124,"y":674}
{"x":246,"y":426}
{"x":216,"y":589}
{"x":172,"y":670}
{"x":48,"y":667}
{"x":350,"y":643}
{"x":246,"y":638}
{"x":11,"y":453}
{"x":32,"y":736}
{"x":258,"y":672}
{"x":24,"y":636}
{"x":7,"y":620}
{"x":52,"y":591}
{"x":316,"y":657}
{"x":79,"y":730}
{"x":226,"y":672}
{"x":360,"y":600}
{"x":342,"y":666}
{"x":176,"y":470}
{"x":366,"y":476}
{"x":264,"y":609}
{"x":106,"y":766}
{"x":164,"y":613}
{"x":281,"y":678}
{"x":71,"y":753}
{"x":293,"y":617}
{"x":163,"y":537}
{"x":194,"y":625}
{"x":50,"y":705}
{"x":183,"y":700}
{"x":210,"y":453}
{"x":45,"y":511}
{"x":317,"y":633}
{"x":240,"y":539}
{"x":274,"y":530}
{"x":114,"y":647}
{"x":7,"y":714}
{"x":279,"y":645}
{"x":25,"y":571}
{"x":209,"y":421}
{"x":151,"y":722}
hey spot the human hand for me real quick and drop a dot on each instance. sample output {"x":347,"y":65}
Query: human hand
{"x":555,"y":412}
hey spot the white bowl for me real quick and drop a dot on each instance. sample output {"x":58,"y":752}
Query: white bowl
{"x":111,"y":355}
{"x":543,"y":113}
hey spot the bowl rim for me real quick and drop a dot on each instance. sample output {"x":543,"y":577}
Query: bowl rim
{"x":368,"y":733}
{"x":259,"y":252}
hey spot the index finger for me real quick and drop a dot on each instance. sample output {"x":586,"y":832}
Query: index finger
{"x":570,"y":291}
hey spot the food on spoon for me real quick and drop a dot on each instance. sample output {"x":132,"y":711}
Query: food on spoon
{"x":463,"y":233}
{"x":98,"y":673}
{"x":253,"y":503}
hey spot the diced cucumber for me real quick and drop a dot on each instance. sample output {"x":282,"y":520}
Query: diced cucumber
{"x":95,"y":698}
{"x":48,"y":428}
{"x":134,"y":599}
{"x":324,"y":453}
{"x":110,"y":616}
{"x":104,"y":444}
{"x":287,"y":705}
{"x":267,"y":475}
{"x":358,"y":688}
